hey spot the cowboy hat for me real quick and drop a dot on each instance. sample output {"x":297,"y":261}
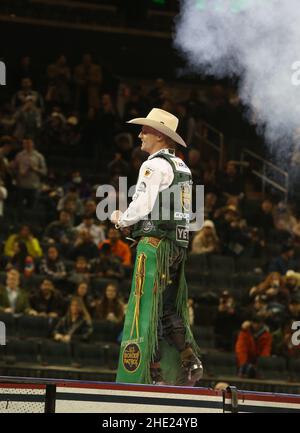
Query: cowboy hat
{"x":162,"y":121}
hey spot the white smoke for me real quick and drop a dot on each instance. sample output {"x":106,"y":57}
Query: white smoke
{"x":256,"y":40}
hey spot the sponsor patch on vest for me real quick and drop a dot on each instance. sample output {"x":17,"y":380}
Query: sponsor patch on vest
{"x":147,"y":226}
{"x":131,"y":357}
{"x":182,"y":233}
{"x":186,"y":196}
{"x":180,"y":165}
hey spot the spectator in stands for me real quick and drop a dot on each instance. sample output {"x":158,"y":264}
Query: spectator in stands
{"x":232,"y":230}
{"x":284,"y":220}
{"x":282,"y":342}
{"x":71,"y":196}
{"x":47,"y":301}
{"x":25,"y":69}
{"x":7,"y":120}
{"x":3,"y":197}
{"x":206,"y":240}
{"x":264,"y":218}
{"x":270,"y":309}
{"x":118,"y":166}
{"x":90,"y":207}
{"x":26,"y":90}
{"x":29,"y":166}
{"x":254,"y":341}
{"x":13,"y":299}
{"x":210,"y":181}
{"x":227,"y":322}
{"x":83,"y":292}
{"x":194,"y":163}
{"x":50,"y":193}
{"x":284,"y":262}
{"x":6,"y":147}
{"x":25,"y":235}
{"x":19,"y":259}
{"x":28,"y":120}
{"x":77,"y":182}
{"x":294,"y":310}
{"x":210,"y":205}
{"x":107,"y":121}
{"x":273,"y":281}
{"x":110,"y":306}
{"x":59,"y":78}
{"x":84,"y":246}
{"x":81,"y":271}
{"x":52,"y":266}
{"x":292,"y":285}
{"x":256,"y":245}
{"x":136,"y":103}
{"x":186,"y":128}
{"x":231,"y":181}
{"x":62,"y":231}
{"x":118,"y":247}
{"x":96,"y":232}
{"x":122,"y":98}
{"x":156,"y":93}
{"x":53,"y":133}
{"x":124,"y":144}
{"x":107,"y":265}
{"x":88,"y":80}
{"x":75,"y":325}
{"x":73,"y":138}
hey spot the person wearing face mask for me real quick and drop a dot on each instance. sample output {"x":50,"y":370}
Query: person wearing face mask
{"x":77,"y":182}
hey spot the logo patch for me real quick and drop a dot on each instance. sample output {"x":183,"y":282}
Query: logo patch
{"x":182,"y":233}
{"x":131,"y":357}
{"x":148,"y":172}
{"x":147,"y":226}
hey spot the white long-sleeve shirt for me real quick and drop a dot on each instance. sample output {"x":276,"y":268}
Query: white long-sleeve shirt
{"x":155,"y":175}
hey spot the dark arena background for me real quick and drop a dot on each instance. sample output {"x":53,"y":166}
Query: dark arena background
{"x":73,"y":73}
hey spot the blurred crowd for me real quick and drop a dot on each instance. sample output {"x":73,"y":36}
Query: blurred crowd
{"x":60,"y":262}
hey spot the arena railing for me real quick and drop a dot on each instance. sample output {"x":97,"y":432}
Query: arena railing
{"x":267,"y":172}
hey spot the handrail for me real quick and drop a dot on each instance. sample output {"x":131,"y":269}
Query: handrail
{"x":41,"y":22}
{"x":104,"y":7}
{"x":270,"y":164}
{"x":282,"y":187}
{"x":77,"y":5}
{"x":219,"y":146}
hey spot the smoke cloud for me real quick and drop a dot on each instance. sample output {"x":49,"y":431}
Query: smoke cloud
{"x":256,"y":40}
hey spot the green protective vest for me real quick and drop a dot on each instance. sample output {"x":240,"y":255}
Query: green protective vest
{"x":171,"y":213}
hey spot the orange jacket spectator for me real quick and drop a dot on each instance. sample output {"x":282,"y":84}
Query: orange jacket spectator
{"x":118,"y":247}
{"x":254,"y":340}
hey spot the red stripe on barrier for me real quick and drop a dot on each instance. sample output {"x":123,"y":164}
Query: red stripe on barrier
{"x":271,"y":398}
{"x":22,"y":386}
{"x":143,"y":388}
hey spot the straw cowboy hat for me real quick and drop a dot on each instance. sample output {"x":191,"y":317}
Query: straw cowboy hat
{"x":162,"y":121}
